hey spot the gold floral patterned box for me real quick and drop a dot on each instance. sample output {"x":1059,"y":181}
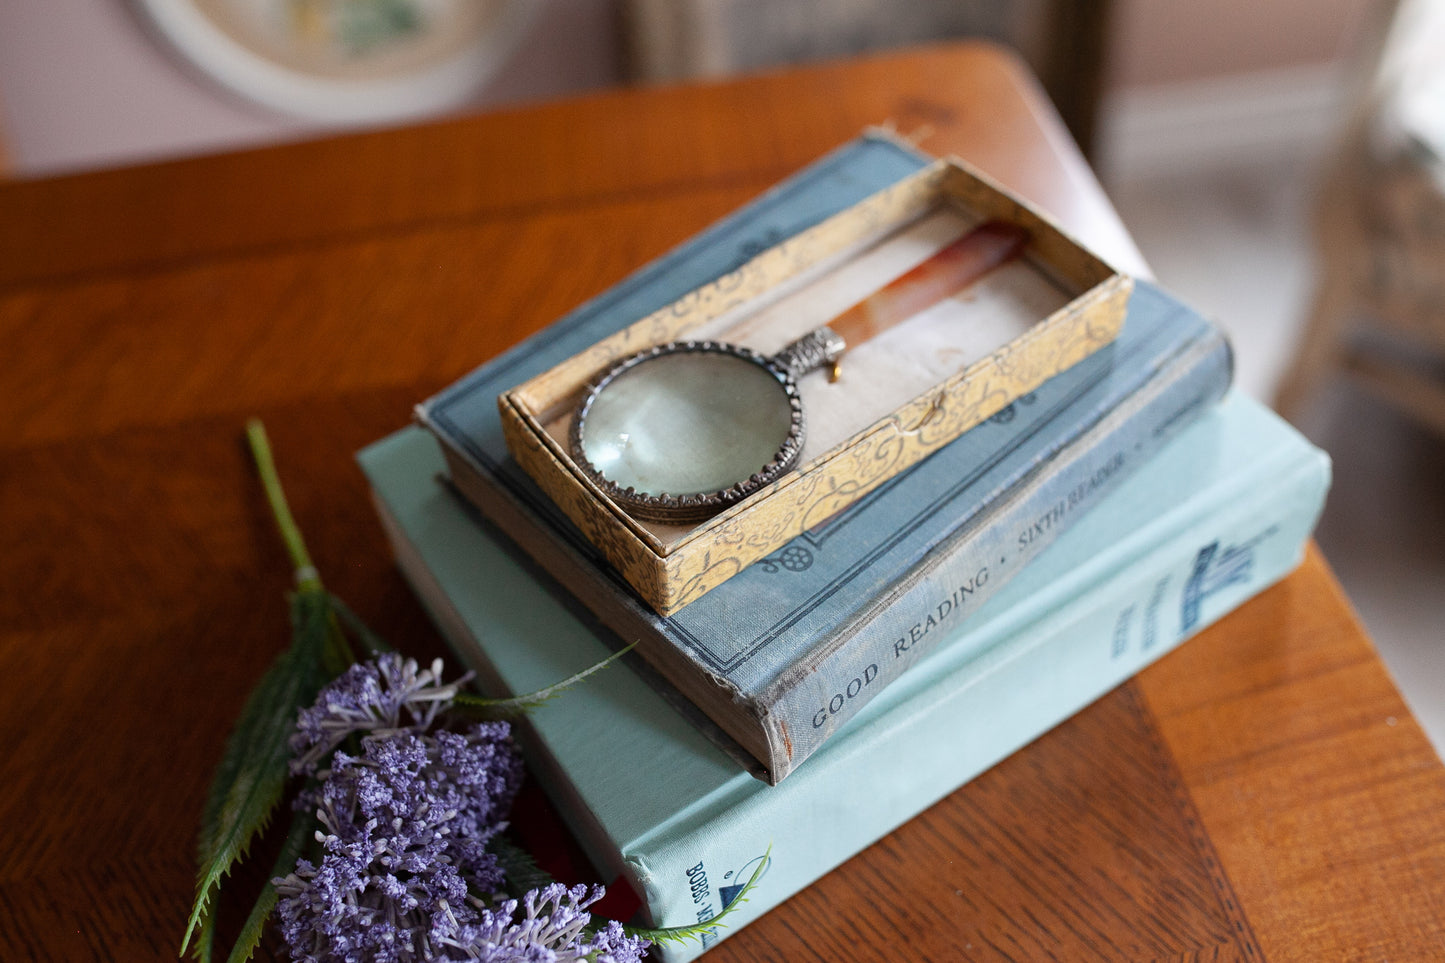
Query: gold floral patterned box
{"x":899,"y":394}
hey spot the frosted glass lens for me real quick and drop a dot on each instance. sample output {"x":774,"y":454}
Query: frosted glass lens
{"x":686,"y":423}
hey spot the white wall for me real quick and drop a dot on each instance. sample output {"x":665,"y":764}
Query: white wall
{"x":83,"y":84}
{"x":1165,"y":42}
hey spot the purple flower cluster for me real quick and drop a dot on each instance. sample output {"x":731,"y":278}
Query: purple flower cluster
{"x":376,"y":698}
{"x":553,"y":927}
{"x":404,"y":873}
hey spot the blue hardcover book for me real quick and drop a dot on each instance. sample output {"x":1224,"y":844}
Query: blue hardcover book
{"x":1221,"y":513}
{"x":784,"y":653}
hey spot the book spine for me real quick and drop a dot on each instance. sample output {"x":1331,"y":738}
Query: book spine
{"x":808,"y":702}
{"x":591,"y":587}
{"x":1026,"y":679}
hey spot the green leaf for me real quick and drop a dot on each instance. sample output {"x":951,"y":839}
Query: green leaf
{"x":303,"y":830}
{"x":252,"y":773}
{"x":373,"y":644}
{"x":336,"y":654}
{"x":695,"y":931}
{"x":521,"y":869}
{"x":483,"y":708}
{"x":205,"y":939}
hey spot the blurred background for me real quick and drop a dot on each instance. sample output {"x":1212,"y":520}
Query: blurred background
{"x":1279,"y":164}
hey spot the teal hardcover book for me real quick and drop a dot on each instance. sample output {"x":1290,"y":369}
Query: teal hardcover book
{"x":785,"y":652}
{"x":1220,"y":513}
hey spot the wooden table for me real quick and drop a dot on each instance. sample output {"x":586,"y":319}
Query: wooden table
{"x":1262,"y":794}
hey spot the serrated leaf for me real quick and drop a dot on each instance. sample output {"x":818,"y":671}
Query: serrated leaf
{"x":695,"y":931}
{"x":205,"y":938}
{"x":374,"y":644}
{"x":252,"y":774}
{"x":303,"y":830}
{"x":521,"y":870}
{"x":480,"y":707}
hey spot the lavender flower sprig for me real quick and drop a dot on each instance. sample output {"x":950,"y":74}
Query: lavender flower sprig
{"x":554,"y":921}
{"x":404,"y":873}
{"x":405,"y":821}
{"x":392,"y":697}
{"x":402,"y":791}
{"x":251,"y":777}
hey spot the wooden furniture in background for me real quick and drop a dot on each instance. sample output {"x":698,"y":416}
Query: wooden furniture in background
{"x":1261,"y":794}
{"x":1378,"y":312}
{"x":1064,"y":41}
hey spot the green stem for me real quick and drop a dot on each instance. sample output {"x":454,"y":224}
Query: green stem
{"x":695,"y":931}
{"x":306,"y":575}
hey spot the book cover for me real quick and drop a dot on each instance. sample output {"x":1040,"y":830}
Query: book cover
{"x":1221,"y":513}
{"x":786,"y":651}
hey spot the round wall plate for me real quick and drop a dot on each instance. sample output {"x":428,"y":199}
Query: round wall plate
{"x":346,"y":61}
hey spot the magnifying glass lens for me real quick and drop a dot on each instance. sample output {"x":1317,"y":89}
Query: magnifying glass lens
{"x":680,"y":431}
{"x":686,"y":423}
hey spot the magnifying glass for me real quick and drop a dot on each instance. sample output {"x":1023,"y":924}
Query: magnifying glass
{"x":680,"y":431}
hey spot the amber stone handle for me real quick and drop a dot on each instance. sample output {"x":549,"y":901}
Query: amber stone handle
{"x":952,"y":269}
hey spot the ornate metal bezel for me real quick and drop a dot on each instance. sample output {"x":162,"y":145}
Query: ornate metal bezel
{"x":687,"y":509}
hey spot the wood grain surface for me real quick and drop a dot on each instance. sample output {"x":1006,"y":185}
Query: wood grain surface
{"x":1261,"y":794}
